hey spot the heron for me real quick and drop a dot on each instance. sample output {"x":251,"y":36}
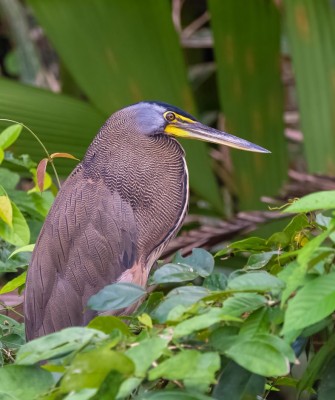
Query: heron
{"x":115,"y":213}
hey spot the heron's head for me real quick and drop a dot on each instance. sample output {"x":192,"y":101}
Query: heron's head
{"x":153,"y":118}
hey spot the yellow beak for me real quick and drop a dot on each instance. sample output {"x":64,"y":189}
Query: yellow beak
{"x":196,"y":130}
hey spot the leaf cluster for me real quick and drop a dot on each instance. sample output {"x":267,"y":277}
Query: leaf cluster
{"x":201,"y":332}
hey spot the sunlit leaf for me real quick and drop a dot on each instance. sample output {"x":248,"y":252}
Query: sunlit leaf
{"x":6,"y":211}
{"x":14,"y":283}
{"x":19,"y":233}
{"x":10,"y":135}
{"x":315,"y":201}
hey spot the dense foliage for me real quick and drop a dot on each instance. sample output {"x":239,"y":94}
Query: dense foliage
{"x":200,"y":332}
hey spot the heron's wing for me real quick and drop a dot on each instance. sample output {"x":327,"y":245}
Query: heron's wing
{"x":87,"y":242}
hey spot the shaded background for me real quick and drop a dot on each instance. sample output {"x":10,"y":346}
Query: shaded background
{"x":263,"y":70}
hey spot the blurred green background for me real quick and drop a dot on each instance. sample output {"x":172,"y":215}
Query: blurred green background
{"x":263,"y":70}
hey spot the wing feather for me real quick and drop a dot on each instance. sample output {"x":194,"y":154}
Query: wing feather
{"x":87,"y":242}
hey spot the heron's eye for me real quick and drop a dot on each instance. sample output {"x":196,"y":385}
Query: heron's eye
{"x":170,"y":116}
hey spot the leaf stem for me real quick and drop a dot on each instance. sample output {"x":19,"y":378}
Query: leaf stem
{"x":42,"y":145}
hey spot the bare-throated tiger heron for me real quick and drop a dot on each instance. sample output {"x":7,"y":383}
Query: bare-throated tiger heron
{"x":115,"y":213}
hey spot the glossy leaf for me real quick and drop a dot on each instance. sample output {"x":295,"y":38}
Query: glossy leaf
{"x":116,"y":296}
{"x":9,"y":135}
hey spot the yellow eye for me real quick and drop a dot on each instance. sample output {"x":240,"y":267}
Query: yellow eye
{"x":170,"y":116}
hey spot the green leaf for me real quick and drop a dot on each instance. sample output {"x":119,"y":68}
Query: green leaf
{"x":315,"y":301}
{"x":259,"y":356}
{"x":203,"y":321}
{"x":28,"y":248}
{"x":19,"y":234}
{"x":10,"y":135}
{"x":90,"y":368}
{"x":183,"y":296}
{"x":8,"y":179}
{"x":215,"y":281}
{"x":257,"y":322}
{"x":241,"y":303}
{"x":223,"y":337}
{"x":173,"y":395}
{"x":144,"y":353}
{"x":200,"y":260}
{"x":107,"y":323}
{"x":260,"y":260}
{"x":315,"y":201}
{"x":261,"y":281}
{"x":237,"y":383}
{"x":20,"y":382}
{"x":194,"y":368}
{"x":57,"y":344}
{"x":116,"y":296}
{"x":6,"y":211}
{"x":14,"y":283}
{"x":170,"y":273}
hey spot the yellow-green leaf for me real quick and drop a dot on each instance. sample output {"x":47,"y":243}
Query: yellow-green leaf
{"x":14,"y":283}
{"x":47,"y":181}
{"x":10,"y":135}
{"x":6,"y":211}
{"x":19,"y":233}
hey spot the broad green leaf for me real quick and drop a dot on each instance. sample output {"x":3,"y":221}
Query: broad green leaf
{"x":6,"y":211}
{"x":28,"y":248}
{"x":310,"y":34}
{"x":14,"y":283}
{"x":173,"y":395}
{"x":10,"y":135}
{"x":19,"y":382}
{"x":223,"y":337}
{"x":57,"y":344}
{"x":251,"y":91}
{"x":259,"y":357}
{"x":312,"y":303}
{"x":144,"y":353}
{"x":116,"y":296}
{"x":194,"y":368}
{"x":259,"y":260}
{"x":215,"y":281}
{"x":236,"y":383}
{"x":262,"y":281}
{"x":19,"y":233}
{"x":169,"y":273}
{"x":294,"y":276}
{"x":183,"y":296}
{"x":200,"y":260}
{"x":115,"y":74}
{"x":297,"y":224}
{"x":2,"y":155}
{"x":90,"y":368}
{"x":145,"y":320}
{"x":241,"y":303}
{"x":257,"y":322}
{"x":199,"y":322}
{"x":315,"y":201}
{"x":106,"y":323}
{"x":110,"y":386}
